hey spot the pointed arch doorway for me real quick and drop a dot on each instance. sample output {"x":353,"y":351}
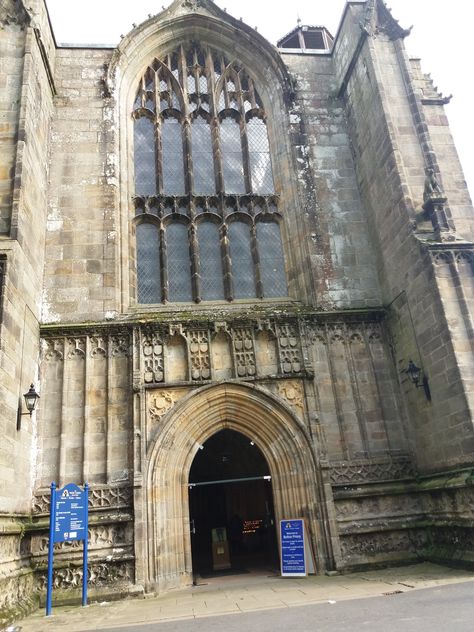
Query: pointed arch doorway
{"x":164,"y":547}
{"x":231,"y":507}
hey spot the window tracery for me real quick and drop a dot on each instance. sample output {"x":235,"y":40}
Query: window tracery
{"x":206,"y":209}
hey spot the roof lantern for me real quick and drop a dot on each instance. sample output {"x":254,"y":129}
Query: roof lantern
{"x":307,"y":38}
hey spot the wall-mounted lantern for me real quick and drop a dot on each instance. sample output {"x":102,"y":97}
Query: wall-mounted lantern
{"x":416,"y":374}
{"x":31,"y":399}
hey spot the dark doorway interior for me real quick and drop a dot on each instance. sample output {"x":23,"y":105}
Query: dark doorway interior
{"x":231,"y":507}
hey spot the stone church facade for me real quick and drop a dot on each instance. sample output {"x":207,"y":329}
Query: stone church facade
{"x":200,"y":231}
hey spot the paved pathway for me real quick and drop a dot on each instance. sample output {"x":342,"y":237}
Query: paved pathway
{"x":243,"y":593}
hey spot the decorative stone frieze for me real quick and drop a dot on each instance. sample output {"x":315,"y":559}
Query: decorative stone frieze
{"x":110,"y":573}
{"x":355,"y":472}
{"x":106,"y":497}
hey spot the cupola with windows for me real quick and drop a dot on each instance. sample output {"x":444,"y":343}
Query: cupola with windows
{"x":307,"y":38}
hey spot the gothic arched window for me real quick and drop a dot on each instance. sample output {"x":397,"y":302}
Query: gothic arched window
{"x":208,"y":226}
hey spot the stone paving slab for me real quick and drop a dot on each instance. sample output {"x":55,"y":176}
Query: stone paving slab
{"x":234,"y":595}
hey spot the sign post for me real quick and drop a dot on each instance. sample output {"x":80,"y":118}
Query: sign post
{"x":69,"y":519}
{"x":294,"y":549}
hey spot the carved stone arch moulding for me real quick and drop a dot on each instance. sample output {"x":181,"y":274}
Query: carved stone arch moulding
{"x":280,"y":435}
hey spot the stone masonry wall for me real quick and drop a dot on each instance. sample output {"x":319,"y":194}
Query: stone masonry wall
{"x":81,"y":279}
{"x":390,"y":173}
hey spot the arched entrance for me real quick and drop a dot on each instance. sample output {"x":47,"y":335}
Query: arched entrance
{"x":231,"y":507}
{"x":253,"y":412}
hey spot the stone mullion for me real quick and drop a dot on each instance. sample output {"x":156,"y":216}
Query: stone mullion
{"x":195,"y":263}
{"x":256,"y":261}
{"x":158,"y":155}
{"x":356,"y":393}
{"x":216,"y":145}
{"x":245,"y":155}
{"x":337,"y":403}
{"x":163,"y":266}
{"x":187,"y":154}
{"x":227,"y":263}
{"x":214,"y":124}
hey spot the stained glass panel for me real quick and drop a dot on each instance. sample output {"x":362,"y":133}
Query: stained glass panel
{"x":259,"y":155}
{"x":242,"y":263}
{"x":272,"y":263}
{"x":145,"y":157}
{"x":173,"y":163}
{"x":179,"y":267}
{"x":148,"y":264}
{"x":232,"y":161}
{"x":203,"y":158}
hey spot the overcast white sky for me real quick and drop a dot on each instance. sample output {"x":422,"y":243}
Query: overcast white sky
{"x":442,"y":37}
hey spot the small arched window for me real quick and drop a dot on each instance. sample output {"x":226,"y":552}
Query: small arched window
{"x":203,"y":180}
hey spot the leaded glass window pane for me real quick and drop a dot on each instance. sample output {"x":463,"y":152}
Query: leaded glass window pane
{"x":148,"y":264}
{"x":212,"y":277}
{"x":203,"y":158}
{"x":179,"y":266}
{"x":272,"y":263}
{"x":242,"y":262}
{"x":145,"y":157}
{"x":259,"y":157}
{"x":232,"y":161}
{"x":173,"y":163}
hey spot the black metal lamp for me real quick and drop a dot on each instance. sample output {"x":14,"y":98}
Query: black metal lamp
{"x":414,"y":373}
{"x":31,"y":399}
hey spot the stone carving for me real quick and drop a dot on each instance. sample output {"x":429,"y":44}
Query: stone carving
{"x":99,"y":498}
{"x":53,"y":349}
{"x":192,"y":5}
{"x":102,"y":574}
{"x":99,"y":537}
{"x":98,"y":346}
{"x":198,"y":345}
{"x":14,"y":12}
{"x":377,"y":508}
{"x":357,"y":472}
{"x":292,"y":391}
{"x":442,"y":257}
{"x":119,"y":345}
{"x":432,"y":187}
{"x":244,"y":352}
{"x":434,"y":201}
{"x":16,"y":597}
{"x":76,"y":348}
{"x":161,"y":403}
{"x":377,"y":543}
{"x":289,"y":349}
{"x":152,"y":356}
{"x":464,"y":256}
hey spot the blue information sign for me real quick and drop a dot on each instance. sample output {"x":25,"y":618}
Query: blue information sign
{"x":68,"y":521}
{"x":292,"y":540}
{"x":71,"y":514}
